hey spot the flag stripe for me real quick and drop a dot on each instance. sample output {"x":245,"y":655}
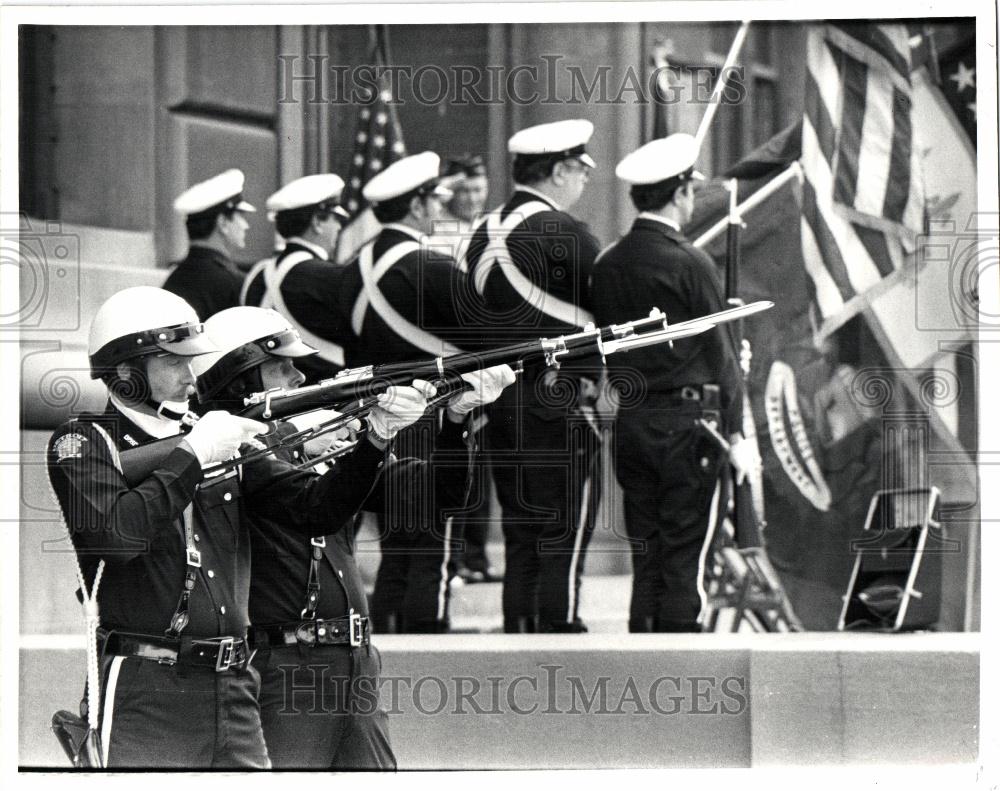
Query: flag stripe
{"x":855,"y":75}
{"x":825,"y":242}
{"x":898,"y":192}
{"x":820,"y":120}
{"x":876,"y":147}
{"x":878,"y":249}
{"x":875,"y":38}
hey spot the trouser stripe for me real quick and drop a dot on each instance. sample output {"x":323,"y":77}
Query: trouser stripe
{"x":109,"y":706}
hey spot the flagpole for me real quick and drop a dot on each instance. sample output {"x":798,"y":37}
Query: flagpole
{"x":713,"y":102}
{"x":794,"y":171}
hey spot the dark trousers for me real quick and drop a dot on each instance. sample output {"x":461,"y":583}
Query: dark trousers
{"x":320,"y":708}
{"x":546,"y":467}
{"x":180,"y":717}
{"x":411,"y":588}
{"x":668,"y":470}
{"x":471,"y":527}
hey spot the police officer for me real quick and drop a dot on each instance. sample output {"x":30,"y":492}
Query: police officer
{"x":530,"y":263}
{"x":301,"y":283}
{"x":319,"y":674}
{"x":466,"y":177}
{"x":216,"y":224}
{"x":405,"y":301}
{"x":169,"y":555}
{"x":668,"y":467}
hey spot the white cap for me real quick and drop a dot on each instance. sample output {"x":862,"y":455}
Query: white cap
{"x":659,"y":160}
{"x":565,"y":138}
{"x":406,"y":175}
{"x":224,"y":191}
{"x":321,"y":190}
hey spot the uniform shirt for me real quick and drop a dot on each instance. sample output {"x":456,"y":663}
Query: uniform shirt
{"x":311,"y":293}
{"x":555,"y":251}
{"x":282,"y":557}
{"x":655,"y":266}
{"x":207,"y":280}
{"x":425,"y":287}
{"x":139,"y":531}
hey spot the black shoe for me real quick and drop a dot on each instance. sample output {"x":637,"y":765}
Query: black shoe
{"x":576,"y":627}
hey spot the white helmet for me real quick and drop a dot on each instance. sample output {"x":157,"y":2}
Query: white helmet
{"x":244,"y":338}
{"x":140,"y":321}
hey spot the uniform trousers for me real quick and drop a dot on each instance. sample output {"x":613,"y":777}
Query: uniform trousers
{"x":669,"y":471}
{"x":411,"y":587}
{"x":320,"y":708}
{"x":180,"y":717}
{"x":546,"y":468}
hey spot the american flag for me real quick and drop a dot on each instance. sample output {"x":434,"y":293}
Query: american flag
{"x":378,"y":142}
{"x":863,"y":197}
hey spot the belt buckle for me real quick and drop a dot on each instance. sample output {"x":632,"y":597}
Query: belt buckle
{"x":227,"y":649}
{"x":356,"y":630}
{"x":194,"y":558}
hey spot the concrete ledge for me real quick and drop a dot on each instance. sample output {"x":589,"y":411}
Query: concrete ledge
{"x":601,"y":701}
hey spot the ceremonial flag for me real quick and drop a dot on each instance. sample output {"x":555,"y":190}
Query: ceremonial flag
{"x":862,"y":197}
{"x":845,"y":395}
{"x":378,"y":142}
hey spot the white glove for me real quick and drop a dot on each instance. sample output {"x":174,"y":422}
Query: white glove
{"x":218,"y":435}
{"x":744,"y":457}
{"x":487,"y":385}
{"x":324,"y":442}
{"x":399,"y":407}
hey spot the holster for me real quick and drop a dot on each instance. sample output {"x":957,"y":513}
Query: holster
{"x":81,"y":744}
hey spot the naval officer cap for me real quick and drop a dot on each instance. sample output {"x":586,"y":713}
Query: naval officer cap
{"x":219,"y":193}
{"x":320,"y":192}
{"x":660,"y":160}
{"x":558,"y":140}
{"x":417,"y":174}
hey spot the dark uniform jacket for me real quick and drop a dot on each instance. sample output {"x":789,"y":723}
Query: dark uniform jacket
{"x":207,"y":280}
{"x":425,"y":288}
{"x":282,"y":556}
{"x":311,"y":293}
{"x":654,"y":266}
{"x":555,"y":251}
{"x":139,"y":531}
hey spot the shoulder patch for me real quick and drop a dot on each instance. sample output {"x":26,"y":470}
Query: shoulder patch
{"x":69,"y":446}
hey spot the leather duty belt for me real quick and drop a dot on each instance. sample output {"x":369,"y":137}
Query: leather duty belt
{"x":217,"y":653}
{"x":354,"y":630}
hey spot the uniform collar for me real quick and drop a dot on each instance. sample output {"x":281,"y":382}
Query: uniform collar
{"x":313,"y":248}
{"x":405,"y":229}
{"x":205,"y":251}
{"x":648,"y":215}
{"x":537,"y":194}
{"x":156,"y":426}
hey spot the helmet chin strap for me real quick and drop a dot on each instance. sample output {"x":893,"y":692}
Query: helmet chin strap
{"x":171,"y":410}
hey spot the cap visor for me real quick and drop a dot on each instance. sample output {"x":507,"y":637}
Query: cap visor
{"x":341,"y":212}
{"x":697,"y":176}
{"x":244,"y":206}
{"x":587,"y":160}
{"x":298,"y":349}
{"x":190,"y":347}
{"x":442,"y":191}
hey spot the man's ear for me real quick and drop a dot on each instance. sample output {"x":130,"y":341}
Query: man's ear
{"x":558,"y":172}
{"x":124,"y":371}
{"x":417,"y":208}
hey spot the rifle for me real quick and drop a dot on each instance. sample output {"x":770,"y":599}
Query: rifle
{"x":353,"y":392}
